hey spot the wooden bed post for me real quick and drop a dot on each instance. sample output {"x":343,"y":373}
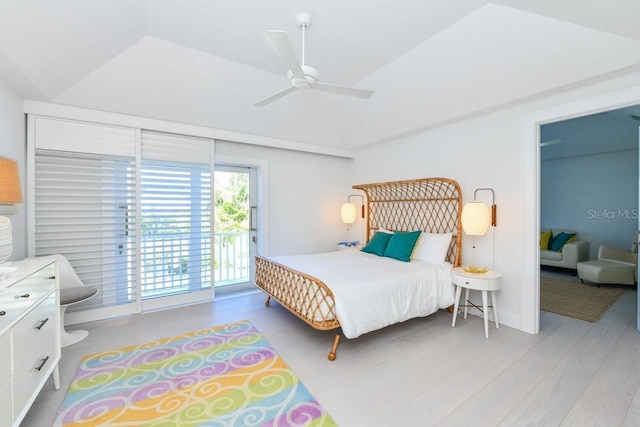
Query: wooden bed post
{"x":332,"y":353}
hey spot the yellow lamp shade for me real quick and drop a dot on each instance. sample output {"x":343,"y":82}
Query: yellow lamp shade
{"x":475,"y":218}
{"x":348,"y":213}
{"x":9,"y":182}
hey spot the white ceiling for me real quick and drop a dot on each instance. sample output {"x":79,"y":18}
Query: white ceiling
{"x":205,"y":62}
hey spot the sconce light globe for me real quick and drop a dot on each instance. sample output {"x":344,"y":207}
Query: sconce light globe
{"x":475,"y":218}
{"x":348,"y":213}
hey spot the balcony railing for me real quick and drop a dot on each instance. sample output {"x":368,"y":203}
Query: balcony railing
{"x":179,"y":263}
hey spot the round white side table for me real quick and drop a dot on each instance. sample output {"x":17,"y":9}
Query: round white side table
{"x":485,"y":282}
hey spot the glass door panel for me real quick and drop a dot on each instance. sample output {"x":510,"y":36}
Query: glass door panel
{"x":235,"y":231}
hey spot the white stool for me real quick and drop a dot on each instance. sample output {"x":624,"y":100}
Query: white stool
{"x":70,"y":296}
{"x":72,"y":291}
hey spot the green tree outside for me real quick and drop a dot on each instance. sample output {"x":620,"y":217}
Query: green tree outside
{"x":231,"y":202}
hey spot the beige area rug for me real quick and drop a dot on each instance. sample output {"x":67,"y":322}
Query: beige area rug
{"x":575,"y":299}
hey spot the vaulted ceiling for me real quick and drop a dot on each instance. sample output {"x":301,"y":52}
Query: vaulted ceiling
{"x":206,"y":62}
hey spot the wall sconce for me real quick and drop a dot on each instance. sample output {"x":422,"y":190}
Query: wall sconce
{"x":10,"y":193}
{"x":475,"y":215}
{"x":348,"y":211}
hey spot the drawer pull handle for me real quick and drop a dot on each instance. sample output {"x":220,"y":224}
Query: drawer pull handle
{"x":25,"y":296}
{"x":51,"y":277}
{"x":44,"y":362}
{"x":42,"y":323}
{"x":2,"y":313}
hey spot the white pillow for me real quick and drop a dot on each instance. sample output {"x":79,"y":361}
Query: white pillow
{"x":432,"y":247}
{"x":384,"y":230}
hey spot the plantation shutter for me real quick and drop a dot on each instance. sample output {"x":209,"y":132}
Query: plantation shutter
{"x":130,"y":209}
{"x":84,"y":205}
{"x":176,"y":214}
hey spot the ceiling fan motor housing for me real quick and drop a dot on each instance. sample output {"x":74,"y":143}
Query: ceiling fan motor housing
{"x":303,"y":19}
{"x":310,"y":74}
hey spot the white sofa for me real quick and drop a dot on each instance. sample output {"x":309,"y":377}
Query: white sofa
{"x":571,"y":254}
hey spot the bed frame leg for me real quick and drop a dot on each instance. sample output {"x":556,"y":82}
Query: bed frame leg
{"x":332,"y":353}
{"x":268,"y":301}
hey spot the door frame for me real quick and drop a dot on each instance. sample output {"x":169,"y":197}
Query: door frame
{"x":530,"y":291}
{"x":261,"y":166}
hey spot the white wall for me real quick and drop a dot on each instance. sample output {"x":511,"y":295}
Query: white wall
{"x":478,"y":154}
{"x":12,"y":145}
{"x":305,"y":193}
{"x":487,"y":151}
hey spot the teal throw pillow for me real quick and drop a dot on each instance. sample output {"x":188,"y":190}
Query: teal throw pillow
{"x":560,"y":240}
{"x":378,"y":243}
{"x":401,"y":245}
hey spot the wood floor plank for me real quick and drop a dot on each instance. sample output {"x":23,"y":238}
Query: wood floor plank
{"x":444,"y":397}
{"x":552,"y":399}
{"x":633,"y":413}
{"x":520,"y":378}
{"x":422,"y":372}
{"x":607,"y":397}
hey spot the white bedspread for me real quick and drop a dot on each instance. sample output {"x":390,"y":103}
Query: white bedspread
{"x":372,"y":292}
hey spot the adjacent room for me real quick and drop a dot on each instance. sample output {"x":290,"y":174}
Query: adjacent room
{"x":589,"y":192}
{"x":316,"y":213}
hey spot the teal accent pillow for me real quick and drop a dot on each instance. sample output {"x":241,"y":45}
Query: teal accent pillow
{"x":401,"y":245}
{"x":560,"y":240}
{"x":378,"y":243}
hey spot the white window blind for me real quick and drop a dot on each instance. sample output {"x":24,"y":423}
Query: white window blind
{"x":176,"y":214}
{"x":130,"y":209}
{"x":85,"y":209}
{"x":80,"y":137}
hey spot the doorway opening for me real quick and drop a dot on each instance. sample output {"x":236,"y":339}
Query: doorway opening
{"x":530,"y":295}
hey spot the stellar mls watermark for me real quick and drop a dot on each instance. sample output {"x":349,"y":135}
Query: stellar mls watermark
{"x":612,"y":214}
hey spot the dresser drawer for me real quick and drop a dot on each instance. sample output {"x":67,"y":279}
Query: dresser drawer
{"x":468,"y":282}
{"x":6,"y":402}
{"x":480,"y":283}
{"x":5,"y":357}
{"x":34,"y":349}
{"x":41,"y":277}
{"x":18,"y":298}
{"x":13,"y":304}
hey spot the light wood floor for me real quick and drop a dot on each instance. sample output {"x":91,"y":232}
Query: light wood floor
{"x":422,"y":372}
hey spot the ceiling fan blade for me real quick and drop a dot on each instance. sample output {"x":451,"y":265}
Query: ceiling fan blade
{"x":275,"y":97}
{"x":282,"y":45}
{"x":344,"y":90}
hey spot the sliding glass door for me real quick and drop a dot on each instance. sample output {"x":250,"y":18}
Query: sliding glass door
{"x":131,"y":209}
{"x":146,"y":217}
{"x":175,"y":215}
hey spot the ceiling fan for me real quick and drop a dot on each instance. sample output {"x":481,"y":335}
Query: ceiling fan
{"x":301,"y":75}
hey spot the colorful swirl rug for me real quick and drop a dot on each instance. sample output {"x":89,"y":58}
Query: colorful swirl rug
{"x":223,"y":376}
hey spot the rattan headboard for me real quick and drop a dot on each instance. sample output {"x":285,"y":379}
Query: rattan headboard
{"x":433,"y":205}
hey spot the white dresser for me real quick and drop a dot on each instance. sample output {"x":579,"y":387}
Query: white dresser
{"x":29,"y":336}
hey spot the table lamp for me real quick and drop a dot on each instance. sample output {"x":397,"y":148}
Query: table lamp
{"x":10,"y":193}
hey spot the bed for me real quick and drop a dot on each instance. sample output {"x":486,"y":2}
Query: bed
{"x":345,"y":290}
